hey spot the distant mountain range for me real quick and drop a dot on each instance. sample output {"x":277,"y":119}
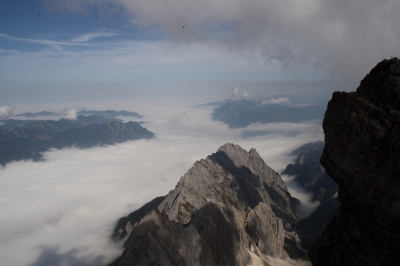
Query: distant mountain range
{"x":241,"y":113}
{"x":30,"y":138}
{"x":105,"y":114}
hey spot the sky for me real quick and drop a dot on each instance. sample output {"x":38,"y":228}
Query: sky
{"x":74,"y":51}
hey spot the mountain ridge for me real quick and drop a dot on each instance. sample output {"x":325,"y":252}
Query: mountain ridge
{"x":241,"y":113}
{"x":29,"y":141}
{"x":227,"y":208}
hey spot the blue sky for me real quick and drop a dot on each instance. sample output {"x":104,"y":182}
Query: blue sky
{"x":84,"y":50}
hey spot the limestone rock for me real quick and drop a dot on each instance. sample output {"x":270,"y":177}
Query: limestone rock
{"x":265,"y":230}
{"x":158,"y":241}
{"x":225,"y":206}
{"x":216,"y":235}
{"x":362,"y":154}
{"x":233,"y":177}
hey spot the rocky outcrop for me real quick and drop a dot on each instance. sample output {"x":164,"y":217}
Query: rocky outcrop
{"x":225,"y":208}
{"x":362,"y":154}
{"x":216,"y":235}
{"x":233,"y":177}
{"x":125,"y":224}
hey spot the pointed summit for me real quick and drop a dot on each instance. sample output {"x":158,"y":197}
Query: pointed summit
{"x":225,"y":209}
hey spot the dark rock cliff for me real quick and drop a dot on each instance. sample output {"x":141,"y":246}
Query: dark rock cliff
{"x":362,"y":154}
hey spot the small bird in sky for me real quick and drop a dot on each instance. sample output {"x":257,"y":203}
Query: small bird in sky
{"x":183,"y":27}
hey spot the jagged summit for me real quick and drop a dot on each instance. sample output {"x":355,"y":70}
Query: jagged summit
{"x":233,"y":177}
{"x":227,"y":208}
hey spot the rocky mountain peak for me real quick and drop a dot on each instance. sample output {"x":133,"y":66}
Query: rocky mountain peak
{"x":380,"y":86}
{"x":224,"y":210}
{"x":362,"y":154}
{"x":233,"y":177}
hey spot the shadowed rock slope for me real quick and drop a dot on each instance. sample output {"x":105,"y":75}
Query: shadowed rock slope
{"x":311,"y":176}
{"x":224,"y":207}
{"x":362,"y":154}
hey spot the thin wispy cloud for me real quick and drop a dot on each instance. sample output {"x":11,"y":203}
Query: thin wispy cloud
{"x":92,"y":35}
{"x":279,"y":100}
{"x":56,"y":44}
{"x":240,"y":94}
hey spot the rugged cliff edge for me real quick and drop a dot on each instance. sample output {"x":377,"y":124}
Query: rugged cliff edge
{"x":226,"y":210}
{"x":362,"y":154}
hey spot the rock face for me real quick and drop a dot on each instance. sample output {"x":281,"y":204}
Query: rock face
{"x":311,"y":175}
{"x":362,"y":154}
{"x":125,"y":224}
{"x":224,"y":207}
{"x":233,"y":177}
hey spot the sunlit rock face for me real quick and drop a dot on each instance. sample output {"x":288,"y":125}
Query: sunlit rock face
{"x":234,"y":177}
{"x":225,"y":209}
{"x":362,"y":154}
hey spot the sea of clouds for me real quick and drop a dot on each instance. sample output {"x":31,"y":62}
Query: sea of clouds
{"x":62,"y":211}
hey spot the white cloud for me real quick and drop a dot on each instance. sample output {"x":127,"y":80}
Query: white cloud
{"x":6,"y":112}
{"x":69,"y":113}
{"x":55,"y":44}
{"x":236,"y":93}
{"x":89,"y":36}
{"x":307,"y":206}
{"x":279,"y":100}
{"x":246,"y":94}
{"x":66,"y":207}
{"x":347,"y":38}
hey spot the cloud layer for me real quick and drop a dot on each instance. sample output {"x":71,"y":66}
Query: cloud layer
{"x":347,"y":38}
{"x":62,"y":211}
